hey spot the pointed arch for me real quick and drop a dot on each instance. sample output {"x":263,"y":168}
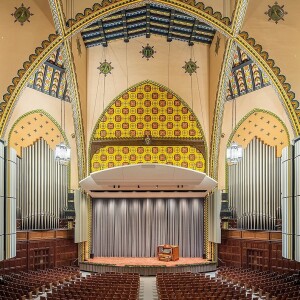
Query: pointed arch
{"x":147,"y":110}
{"x":35,"y":124}
{"x":268,"y":127}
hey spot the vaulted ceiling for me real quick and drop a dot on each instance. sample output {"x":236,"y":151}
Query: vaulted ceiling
{"x":146,"y":20}
{"x":267,"y":53}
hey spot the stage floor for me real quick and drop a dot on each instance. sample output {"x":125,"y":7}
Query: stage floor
{"x":146,"y":261}
{"x":147,"y":266}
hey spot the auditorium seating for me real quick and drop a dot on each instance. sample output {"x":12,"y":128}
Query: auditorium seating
{"x":196,"y":286}
{"x":27,"y":285}
{"x":100,"y":286}
{"x":263,"y":283}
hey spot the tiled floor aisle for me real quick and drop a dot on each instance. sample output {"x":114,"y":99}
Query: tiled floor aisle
{"x":148,"y":288}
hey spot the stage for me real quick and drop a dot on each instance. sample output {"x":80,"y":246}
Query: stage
{"x":146,"y":266}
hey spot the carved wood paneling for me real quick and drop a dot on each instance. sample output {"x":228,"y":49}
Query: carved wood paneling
{"x":31,"y":248}
{"x":256,"y":250}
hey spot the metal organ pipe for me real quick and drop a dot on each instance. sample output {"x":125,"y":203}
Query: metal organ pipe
{"x":252,"y":191}
{"x":2,"y":233}
{"x":43,"y":188}
{"x":297,"y":198}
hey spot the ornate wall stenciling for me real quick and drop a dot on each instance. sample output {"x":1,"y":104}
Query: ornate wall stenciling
{"x":147,"y":110}
{"x":278,"y":80}
{"x":18,"y":82}
{"x":91,"y":14}
{"x":245,"y":76}
{"x":181,"y":156}
{"x":50,"y":78}
{"x":263,"y":125}
{"x":32,"y":126}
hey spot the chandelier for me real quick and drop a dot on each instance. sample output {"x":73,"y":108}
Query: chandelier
{"x":62,"y":153}
{"x":234,"y":152}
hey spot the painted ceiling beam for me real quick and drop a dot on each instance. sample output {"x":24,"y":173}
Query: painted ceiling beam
{"x":148,"y":20}
{"x":172,"y":16}
{"x":192,"y":38}
{"x":125,"y":30}
{"x":102,"y":34}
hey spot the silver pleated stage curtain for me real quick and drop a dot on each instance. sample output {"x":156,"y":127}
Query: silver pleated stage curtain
{"x":42,"y":187}
{"x":134,"y":227}
{"x":254,"y":187}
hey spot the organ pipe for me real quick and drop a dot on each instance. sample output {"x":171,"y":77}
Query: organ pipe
{"x":43,"y":186}
{"x":254,"y":194}
{"x":7,"y":202}
{"x":297,"y":199}
{"x":214,"y":208}
{"x":10,"y":203}
{"x":2,"y":252}
{"x":287,"y":201}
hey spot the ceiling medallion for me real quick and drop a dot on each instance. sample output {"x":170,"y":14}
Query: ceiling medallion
{"x":217,"y":45}
{"x":148,"y":52}
{"x":22,"y":14}
{"x":105,"y":68}
{"x":276,"y":12}
{"x":190,"y":67}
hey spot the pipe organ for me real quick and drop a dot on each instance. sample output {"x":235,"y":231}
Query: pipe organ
{"x":7,"y":202}
{"x":290,"y":182}
{"x":214,"y":208}
{"x":254,"y":187}
{"x":42,"y":188}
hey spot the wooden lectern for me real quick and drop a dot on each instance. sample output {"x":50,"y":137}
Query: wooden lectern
{"x":168,"y":252}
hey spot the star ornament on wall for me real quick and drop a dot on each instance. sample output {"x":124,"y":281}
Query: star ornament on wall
{"x":276,"y":12}
{"x":148,"y":51}
{"x":22,"y":14}
{"x":105,"y":68}
{"x":190,"y":67}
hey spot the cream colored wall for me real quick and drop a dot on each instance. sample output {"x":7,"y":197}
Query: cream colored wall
{"x":215,"y":67}
{"x":225,"y":7}
{"x":281,"y":40}
{"x":155,"y":69}
{"x":265,"y":98}
{"x":80,"y":62}
{"x":18,"y":42}
{"x":32,"y":100}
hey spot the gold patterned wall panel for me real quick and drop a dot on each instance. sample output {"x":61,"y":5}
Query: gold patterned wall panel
{"x":148,"y":109}
{"x":264,"y":125}
{"x":32,"y":126}
{"x":181,"y":156}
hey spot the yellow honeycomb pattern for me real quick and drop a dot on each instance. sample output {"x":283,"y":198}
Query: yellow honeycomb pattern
{"x":181,"y":156}
{"x":147,"y":110}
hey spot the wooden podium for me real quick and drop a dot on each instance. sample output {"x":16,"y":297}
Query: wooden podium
{"x":168,"y":252}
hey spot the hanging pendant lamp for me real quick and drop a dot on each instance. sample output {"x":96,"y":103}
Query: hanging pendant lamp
{"x":234,"y":152}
